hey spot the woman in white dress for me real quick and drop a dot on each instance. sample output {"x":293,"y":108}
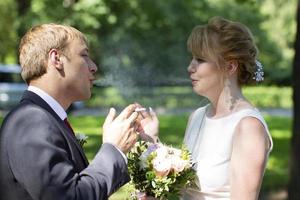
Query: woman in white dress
{"x":228,"y":138}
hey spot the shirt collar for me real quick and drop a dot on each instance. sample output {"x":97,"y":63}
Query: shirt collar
{"x":58,"y":109}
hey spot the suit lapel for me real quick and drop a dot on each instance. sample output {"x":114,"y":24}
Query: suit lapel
{"x":37,"y":100}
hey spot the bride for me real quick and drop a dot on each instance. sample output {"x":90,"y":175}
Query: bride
{"x":228,"y":138}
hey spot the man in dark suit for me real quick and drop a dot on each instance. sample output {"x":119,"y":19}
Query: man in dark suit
{"x":40,"y":158}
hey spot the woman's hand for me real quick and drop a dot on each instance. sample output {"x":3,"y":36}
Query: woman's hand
{"x":143,"y":196}
{"x":148,"y":125}
{"x":147,"y":198}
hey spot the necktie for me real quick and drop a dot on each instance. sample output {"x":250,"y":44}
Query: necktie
{"x":68,"y":125}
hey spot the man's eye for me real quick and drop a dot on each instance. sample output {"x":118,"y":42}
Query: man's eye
{"x":200,"y":60}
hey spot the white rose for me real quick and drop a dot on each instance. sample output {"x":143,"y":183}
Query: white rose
{"x":176,"y":152}
{"x":162,"y":167}
{"x":161,"y":152}
{"x":178,"y":164}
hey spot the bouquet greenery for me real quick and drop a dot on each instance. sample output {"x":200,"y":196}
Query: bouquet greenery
{"x":159,"y":170}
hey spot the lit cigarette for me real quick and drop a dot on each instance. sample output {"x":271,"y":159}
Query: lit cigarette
{"x":140,"y":109}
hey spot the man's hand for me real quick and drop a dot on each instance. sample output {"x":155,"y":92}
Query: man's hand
{"x":120,"y":131}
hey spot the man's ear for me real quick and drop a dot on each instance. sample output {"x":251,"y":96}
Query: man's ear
{"x":55,"y":59}
{"x":232,"y":66}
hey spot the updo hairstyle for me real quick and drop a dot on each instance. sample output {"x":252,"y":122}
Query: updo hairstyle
{"x":222,"y":40}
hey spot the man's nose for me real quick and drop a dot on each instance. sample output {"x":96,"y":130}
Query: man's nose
{"x":93,"y":67}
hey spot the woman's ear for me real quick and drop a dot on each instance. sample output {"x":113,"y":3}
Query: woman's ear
{"x":232,"y":66}
{"x":55,"y":59}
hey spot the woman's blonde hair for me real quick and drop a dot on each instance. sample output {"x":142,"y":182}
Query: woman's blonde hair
{"x":222,"y":40}
{"x":36,"y":44}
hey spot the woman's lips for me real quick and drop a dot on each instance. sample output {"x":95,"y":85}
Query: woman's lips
{"x":194,"y":81}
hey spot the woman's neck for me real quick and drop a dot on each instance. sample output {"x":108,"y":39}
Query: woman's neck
{"x":228,"y":101}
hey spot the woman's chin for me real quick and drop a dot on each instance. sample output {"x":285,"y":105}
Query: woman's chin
{"x":197,"y":90}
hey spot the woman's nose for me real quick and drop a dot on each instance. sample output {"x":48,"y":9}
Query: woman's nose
{"x":191,"y":68}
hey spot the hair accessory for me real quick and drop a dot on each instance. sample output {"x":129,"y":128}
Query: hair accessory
{"x":259,"y":73}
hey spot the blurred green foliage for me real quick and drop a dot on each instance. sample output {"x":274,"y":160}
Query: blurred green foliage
{"x":143,"y":42}
{"x":8,"y":34}
{"x":269,"y":97}
{"x":171,"y":97}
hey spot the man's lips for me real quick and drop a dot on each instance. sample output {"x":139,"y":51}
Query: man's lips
{"x":92,"y":82}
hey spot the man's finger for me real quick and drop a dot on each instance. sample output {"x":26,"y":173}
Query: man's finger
{"x":134,"y":135}
{"x":110,"y":117}
{"x":126,"y":112}
{"x":131,"y":120}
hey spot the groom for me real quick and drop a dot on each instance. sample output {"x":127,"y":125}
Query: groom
{"x":40,"y":158}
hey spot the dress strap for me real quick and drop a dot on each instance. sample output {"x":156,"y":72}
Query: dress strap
{"x":192,"y":133}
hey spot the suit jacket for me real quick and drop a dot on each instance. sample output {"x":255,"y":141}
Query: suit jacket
{"x":40,"y":158}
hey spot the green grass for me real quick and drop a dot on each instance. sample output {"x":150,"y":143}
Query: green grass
{"x":172,"y":132}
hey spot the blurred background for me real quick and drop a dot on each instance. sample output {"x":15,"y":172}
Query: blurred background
{"x":140,"y":49}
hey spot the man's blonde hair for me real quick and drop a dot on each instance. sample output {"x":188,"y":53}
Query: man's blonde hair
{"x":36,"y":44}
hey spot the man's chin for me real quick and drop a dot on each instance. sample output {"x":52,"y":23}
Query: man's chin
{"x":84,"y":97}
{"x":87,"y":97}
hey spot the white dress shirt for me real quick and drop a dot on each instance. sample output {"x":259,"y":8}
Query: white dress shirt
{"x":58,"y":109}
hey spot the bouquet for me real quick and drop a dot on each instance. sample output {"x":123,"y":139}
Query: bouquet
{"x":159,"y":170}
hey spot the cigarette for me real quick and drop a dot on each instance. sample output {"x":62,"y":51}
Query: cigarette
{"x":140,"y":109}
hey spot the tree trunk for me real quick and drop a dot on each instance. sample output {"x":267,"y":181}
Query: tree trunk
{"x":294,"y":184}
{"x":23,"y":6}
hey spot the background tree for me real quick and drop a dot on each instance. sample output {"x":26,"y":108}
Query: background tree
{"x":8,"y":31}
{"x":294,"y":185}
{"x":133,"y":40}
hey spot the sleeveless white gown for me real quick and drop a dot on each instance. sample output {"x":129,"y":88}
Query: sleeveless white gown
{"x":211,"y":148}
